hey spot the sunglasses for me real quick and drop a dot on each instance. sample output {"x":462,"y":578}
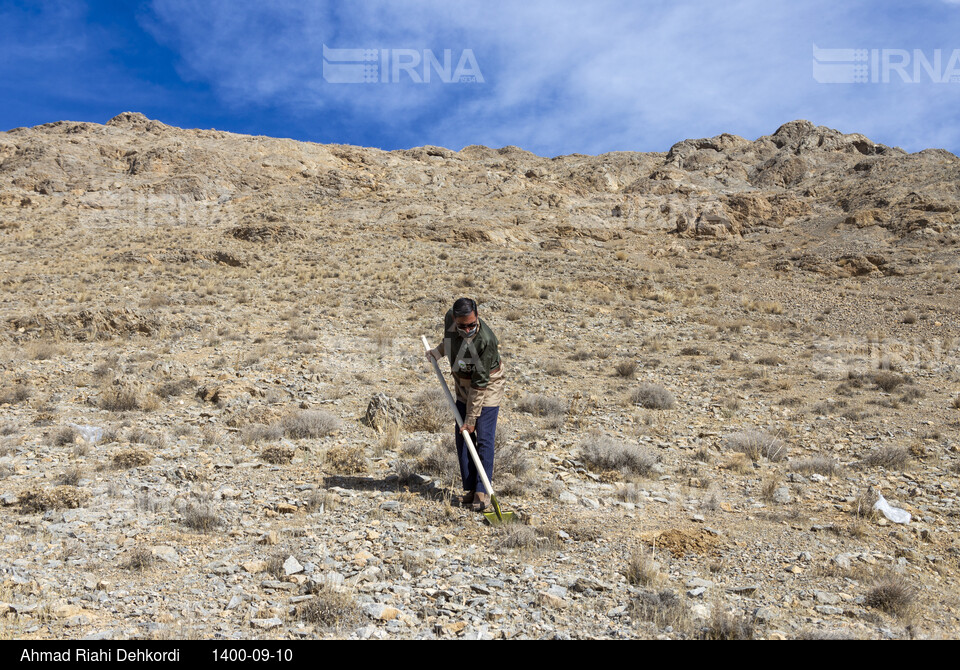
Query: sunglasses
{"x":467,"y":326}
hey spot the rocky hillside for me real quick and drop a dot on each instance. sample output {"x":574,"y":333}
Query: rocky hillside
{"x":719,"y":358}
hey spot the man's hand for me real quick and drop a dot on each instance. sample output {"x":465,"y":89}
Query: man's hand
{"x":434,"y":355}
{"x":470,"y":428}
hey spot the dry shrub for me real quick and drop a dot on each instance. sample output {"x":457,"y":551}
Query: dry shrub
{"x":606,"y":453}
{"x":757,"y":444}
{"x":863,"y":503}
{"x":641,"y":570}
{"x":769,"y":486}
{"x":626,"y":369}
{"x":821,"y":465}
{"x":652,"y":396}
{"x":60,"y":497}
{"x":510,"y":458}
{"x":894,"y":594}
{"x":911,"y":393}
{"x":277,"y":455}
{"x":523,"y":538}
{"x":516,"y":536}
{"x":321,"y":500}
{"x":71,"y":477}
{"x":42,"y":351}
{"x":629,"y":492}
{"x":888,"y":381}
{"x":329,"y":608}
{"x":141,"y":436}
{"x":148,"y":502}
{"x":346,"y":459}
{"x":440,"y":460}
{"x":128,"y":400}
{"x":429,"y":412}
{"x":17,"y":394}
{"x":140,"y":559}
{"x":542,"y":405}
{"x":171,"y":388}
{"x":406,"y":470}
{"x":390,"y":440}
{"x":415,"y":562}
{"x":64,"y":436}
{"x":890,"y":457}
{"x":258,"y":432}
{"x":310,"y":424}
{"x":511,"y":465}
{"x":729,"y":626}
{"x":739,"y":463}
{"x":663,"y":608}
{"x":202,"y":517}
{"x":131,"y":458}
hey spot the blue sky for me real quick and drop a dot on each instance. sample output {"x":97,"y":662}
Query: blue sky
{"x":557,"y":77}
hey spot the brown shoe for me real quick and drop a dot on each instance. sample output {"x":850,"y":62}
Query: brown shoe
{"x":481,"y":501}
{"x":466,"y":500}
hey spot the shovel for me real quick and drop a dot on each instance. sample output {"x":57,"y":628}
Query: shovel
{"x":497,"y":516}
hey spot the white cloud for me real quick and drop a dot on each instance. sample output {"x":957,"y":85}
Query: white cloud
{"x":560,"y":76}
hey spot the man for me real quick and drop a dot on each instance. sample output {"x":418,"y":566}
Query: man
{"x":473,"y":352}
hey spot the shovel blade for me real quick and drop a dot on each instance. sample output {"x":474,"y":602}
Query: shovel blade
{"x":504,"y":518}
{"x":496,"y":516}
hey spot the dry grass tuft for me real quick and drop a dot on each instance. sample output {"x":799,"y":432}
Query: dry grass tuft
{"x":71,"y":476}
{"x":15,"y":395}
{"x":516,"y":536}
{"x":821,"y":465}
{"x":440,"y":460}
{"x":128,"y":400}
{"x":329,"y":608}
{"x":277,"y":455}
{"x":663,"y":608}
{"x":202,"y":517}
{"x":769,"y":486}
{"x":60,"y":497}
{"x":429,"y":412}
{"x":606,"y":453}
{"x":863,"y":503}
{"x":890,"y":457}
{"x":346,"y":459}
{"x":542,"y":405}
{"x":140,"y":559}
{"x":888,"y":381}
{"x":258,"y":432}
{"x":653,"y":396}
{"x":729,"y":626}
{"x":64,"y":436}
{"x":131,"y":458}
{"x":757,"y":444}
{"x":390,"y":440}
{"x":641,"y":570}
{"x":307,"y":424}
{"x":894,"y":594}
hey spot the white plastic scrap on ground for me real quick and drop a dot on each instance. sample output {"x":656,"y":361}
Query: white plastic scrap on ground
{"x":90,"y":434}
{"x":895,"y":514}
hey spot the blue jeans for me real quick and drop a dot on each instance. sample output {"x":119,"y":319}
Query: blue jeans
{"x":484,"y":434}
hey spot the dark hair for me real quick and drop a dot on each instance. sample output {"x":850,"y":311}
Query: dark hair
{"x":464,"y":307}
